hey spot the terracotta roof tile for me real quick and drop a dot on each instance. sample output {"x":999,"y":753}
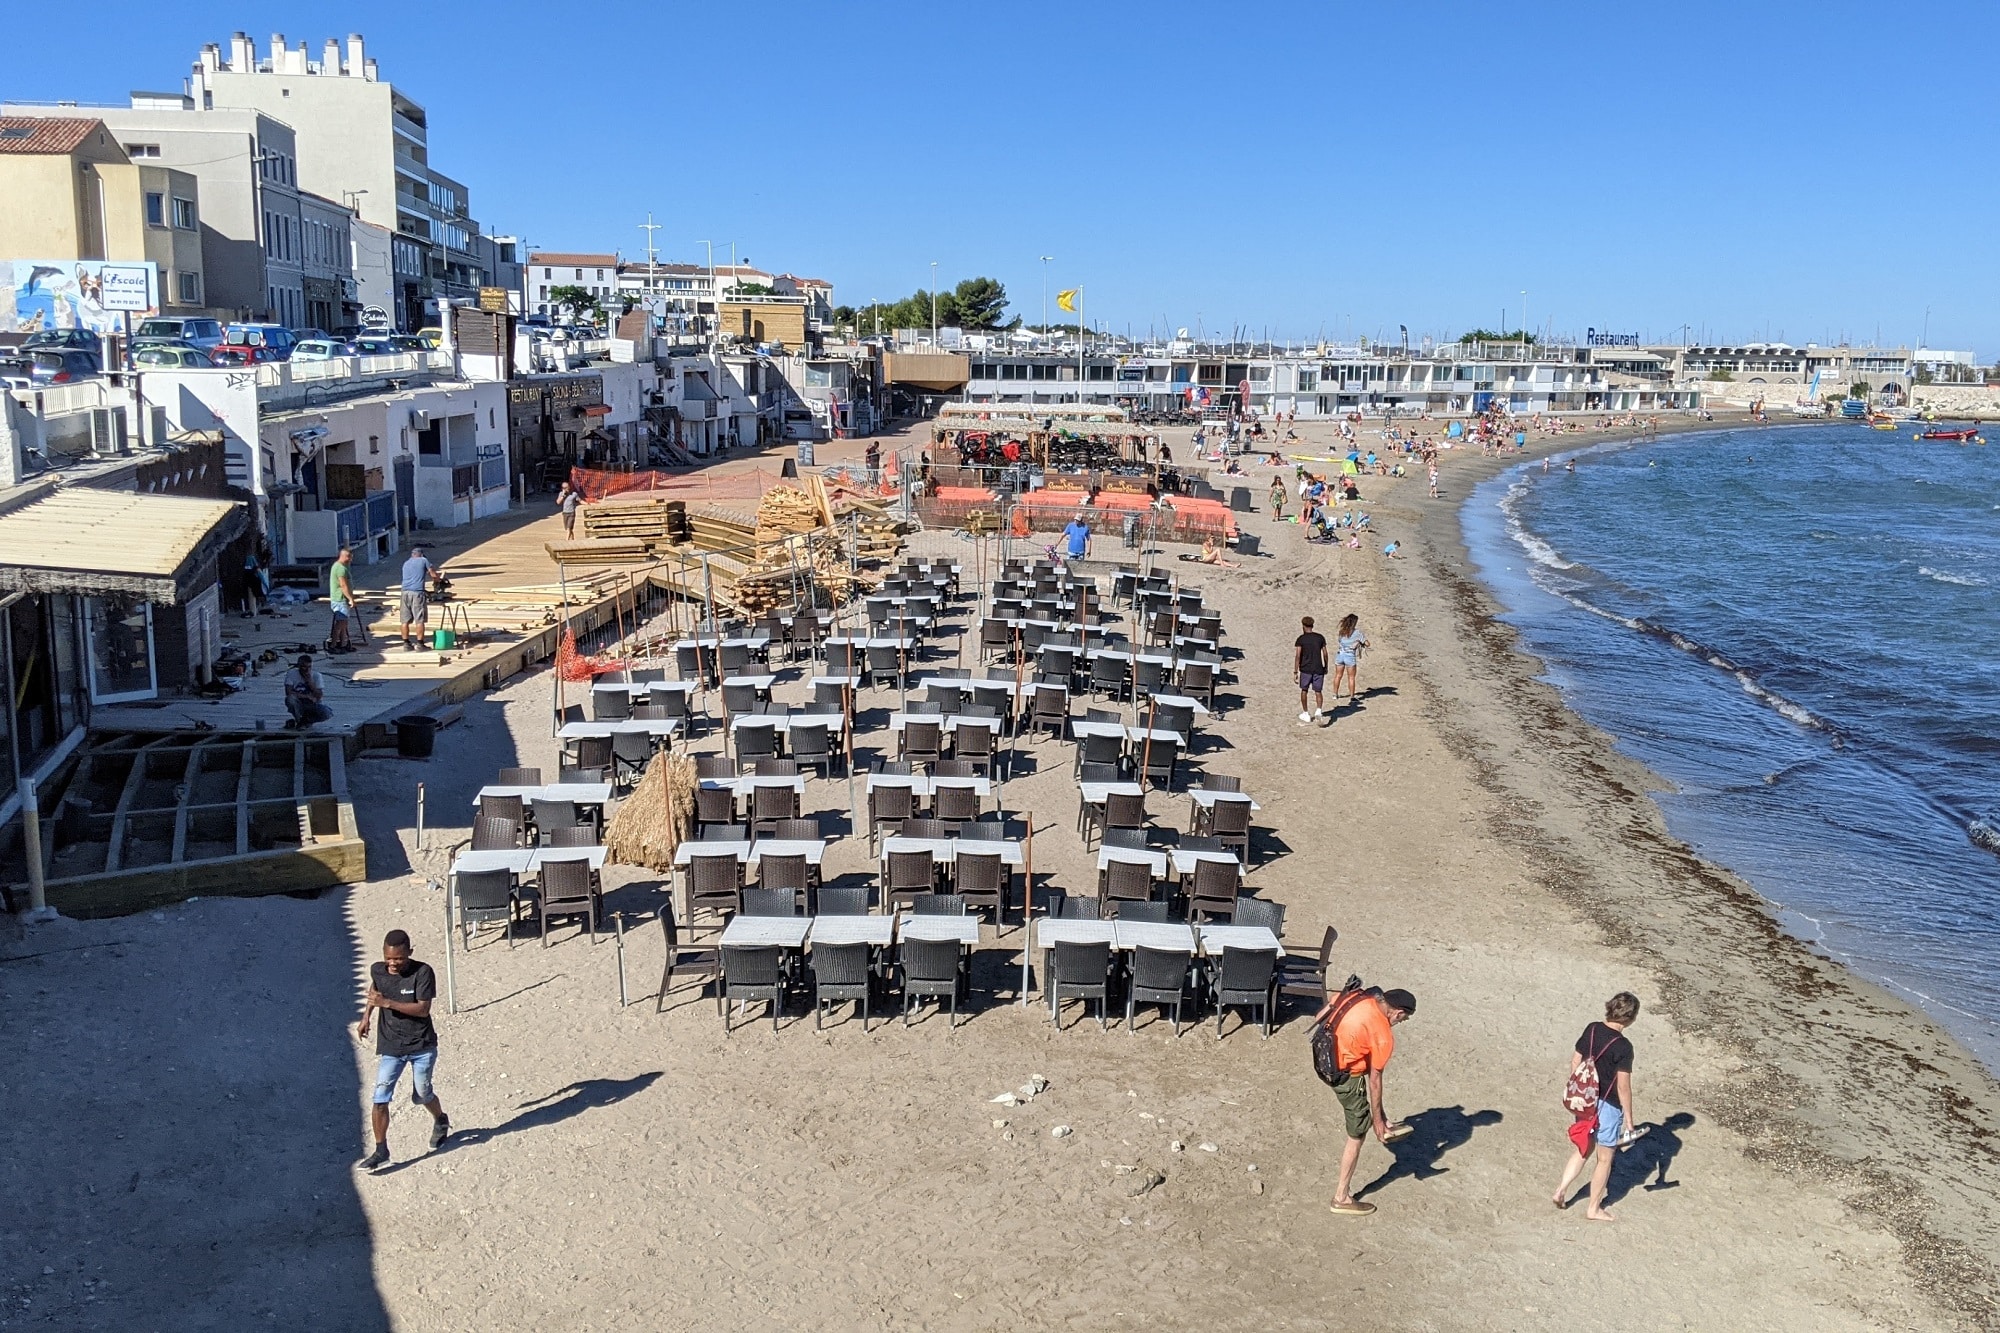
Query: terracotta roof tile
{"x":46,"y":134}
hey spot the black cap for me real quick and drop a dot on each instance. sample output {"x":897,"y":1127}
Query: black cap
{"x":1400,"y":999}
{"x":305,"y":659}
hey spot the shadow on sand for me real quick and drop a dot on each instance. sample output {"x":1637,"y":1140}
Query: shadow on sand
{"x":1433,"y":1134}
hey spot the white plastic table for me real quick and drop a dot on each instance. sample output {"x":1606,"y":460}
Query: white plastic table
{"x":787,"y":932}
{"x":1182,"y":701}
{"x":1096,"y":793}
{"x":1174,"y":936}
{"x":1186,"y":860}
{"x":687,"y":851}
{"x":1051,"y":931}
{"x":1206,"y":799}
{"x":629,"y":726}
{"x":810,"y":848}
{"x":512,"y":859}
{"x":1154,"y":861}
{"x":875,"y":930}
{"x":542,"y":855}
{"x":964,"y":929}
{"x":1214,"y":939}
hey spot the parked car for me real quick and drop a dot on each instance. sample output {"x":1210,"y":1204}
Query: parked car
{"x":81,"y":340}
{"x":431,"y":337}
{"x":409,"y":342}
{"x":321,"y":349}
{"x":16,"y":371}
{"x":172,"y":356}
{"x":241,"y":354}
{"x":275,"y":337}
{"x":201,"y":333}
{"x":374,"y":344}
{"x":310,"y":335}
{"x":62,"y":365}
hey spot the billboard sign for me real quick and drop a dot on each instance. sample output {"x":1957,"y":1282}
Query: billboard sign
{"x":88,"y":294}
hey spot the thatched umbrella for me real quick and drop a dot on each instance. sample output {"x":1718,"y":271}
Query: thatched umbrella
{"x":650,"y":823}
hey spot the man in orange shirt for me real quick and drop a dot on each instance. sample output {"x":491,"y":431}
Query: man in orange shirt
{"x":1362,"y":1044}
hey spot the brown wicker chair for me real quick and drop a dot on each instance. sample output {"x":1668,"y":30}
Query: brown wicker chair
{"x":568,"y":888}
{"x":704,"y":965}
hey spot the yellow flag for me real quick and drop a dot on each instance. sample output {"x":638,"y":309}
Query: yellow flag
{"x":1067,"y":300}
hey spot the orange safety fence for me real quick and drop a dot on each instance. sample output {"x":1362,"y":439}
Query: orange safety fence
{"x":595,"y":484}
{"x":574,"y":666}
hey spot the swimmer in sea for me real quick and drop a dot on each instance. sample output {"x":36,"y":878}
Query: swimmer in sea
{"x":1570,"y":466}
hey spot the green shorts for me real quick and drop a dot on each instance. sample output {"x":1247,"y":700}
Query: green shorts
{"x":1353,"y":1094}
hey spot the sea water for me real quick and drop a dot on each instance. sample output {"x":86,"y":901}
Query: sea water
{"x":1798,"y":627}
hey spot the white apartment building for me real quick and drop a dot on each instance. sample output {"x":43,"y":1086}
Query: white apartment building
{"x":359,"y":141}
{"x":550,"y":269}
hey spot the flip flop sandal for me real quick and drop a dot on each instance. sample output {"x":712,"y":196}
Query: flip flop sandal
{"x":1353,"y":1208}
{"x":1398,"y":1132}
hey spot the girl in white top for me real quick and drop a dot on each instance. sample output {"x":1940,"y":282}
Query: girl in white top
{"x":1348,"y":644}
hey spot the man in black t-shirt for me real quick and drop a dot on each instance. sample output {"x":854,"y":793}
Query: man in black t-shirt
{"x":402,"y":988}
{"x":1309,"y":665}
{"x":1609,"y":1127}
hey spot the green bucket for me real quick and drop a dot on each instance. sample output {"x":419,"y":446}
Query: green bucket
{"x":442,"y":639}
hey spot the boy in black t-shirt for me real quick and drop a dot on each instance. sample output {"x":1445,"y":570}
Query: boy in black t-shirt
{"x":402,"y":988}
{"x":1309,"y":665}
{"x":1609,"y":1127}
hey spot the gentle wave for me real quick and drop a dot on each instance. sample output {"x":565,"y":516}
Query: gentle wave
{"x":1538,"y":550}
{"x":1789,"y":709}
{"x":1945,"y":576}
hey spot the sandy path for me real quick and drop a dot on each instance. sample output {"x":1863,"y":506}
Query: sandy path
{"x":622,"y":1169}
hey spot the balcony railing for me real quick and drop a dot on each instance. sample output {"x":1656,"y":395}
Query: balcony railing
{"x":356,"y":523}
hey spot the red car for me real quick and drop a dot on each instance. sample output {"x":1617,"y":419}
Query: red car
{"x":243,"y":354}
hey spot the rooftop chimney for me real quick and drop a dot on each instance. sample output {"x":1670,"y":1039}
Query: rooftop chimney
{"x":242,"y":56}
{"x":329,"y":60}
{"x":276,"y":59}
{"x":356,"y":57}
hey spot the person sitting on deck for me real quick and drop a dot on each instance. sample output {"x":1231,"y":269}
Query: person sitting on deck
{"x":304,"y":694}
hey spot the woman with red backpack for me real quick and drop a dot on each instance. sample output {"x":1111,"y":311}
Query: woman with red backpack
{"x":1599,"y":1096}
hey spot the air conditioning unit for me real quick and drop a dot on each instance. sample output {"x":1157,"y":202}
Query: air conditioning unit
{"x":156,"y":434}
{"x":107,"y":431}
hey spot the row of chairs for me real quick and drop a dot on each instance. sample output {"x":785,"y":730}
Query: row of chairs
{"x":835,"y":973}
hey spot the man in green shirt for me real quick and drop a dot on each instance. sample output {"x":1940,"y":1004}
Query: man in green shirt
{"x":341,"y":593}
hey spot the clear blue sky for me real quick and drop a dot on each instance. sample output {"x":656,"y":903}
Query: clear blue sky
{"x":1744,"y":168}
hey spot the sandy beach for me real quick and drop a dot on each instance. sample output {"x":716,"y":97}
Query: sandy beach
{"x":187,"y":1096}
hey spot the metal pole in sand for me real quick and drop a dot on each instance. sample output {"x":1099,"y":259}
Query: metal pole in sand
{"x":618,"y":920}
{"x":562,"y":621}
{"x":1027,"y":907}
{"x":420,"y":816}
{"x":450,"y":954}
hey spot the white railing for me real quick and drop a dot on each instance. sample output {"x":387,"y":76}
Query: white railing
{"x":58,"y":399}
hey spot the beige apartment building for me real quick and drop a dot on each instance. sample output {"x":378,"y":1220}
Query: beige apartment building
{"x":73,"y":192}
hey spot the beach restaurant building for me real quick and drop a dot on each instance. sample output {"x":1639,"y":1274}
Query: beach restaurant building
{"x":1458,"y":379}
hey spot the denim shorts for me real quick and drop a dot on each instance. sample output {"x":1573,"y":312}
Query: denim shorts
{"x":1610,"y":1122}
{"x":389,"y":1068}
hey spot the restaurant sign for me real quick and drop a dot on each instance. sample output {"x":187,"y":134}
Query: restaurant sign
{"x":1593,"y":338}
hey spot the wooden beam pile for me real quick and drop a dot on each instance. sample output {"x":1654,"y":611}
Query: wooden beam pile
{"x":786,"y":511}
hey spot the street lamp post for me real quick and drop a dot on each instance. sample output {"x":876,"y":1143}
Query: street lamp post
{"x":934,"y":303}
{"x":1045,"y":294}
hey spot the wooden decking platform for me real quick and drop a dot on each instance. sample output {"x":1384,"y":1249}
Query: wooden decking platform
{"x":146,"y":820}
{"x":506,"y":593}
